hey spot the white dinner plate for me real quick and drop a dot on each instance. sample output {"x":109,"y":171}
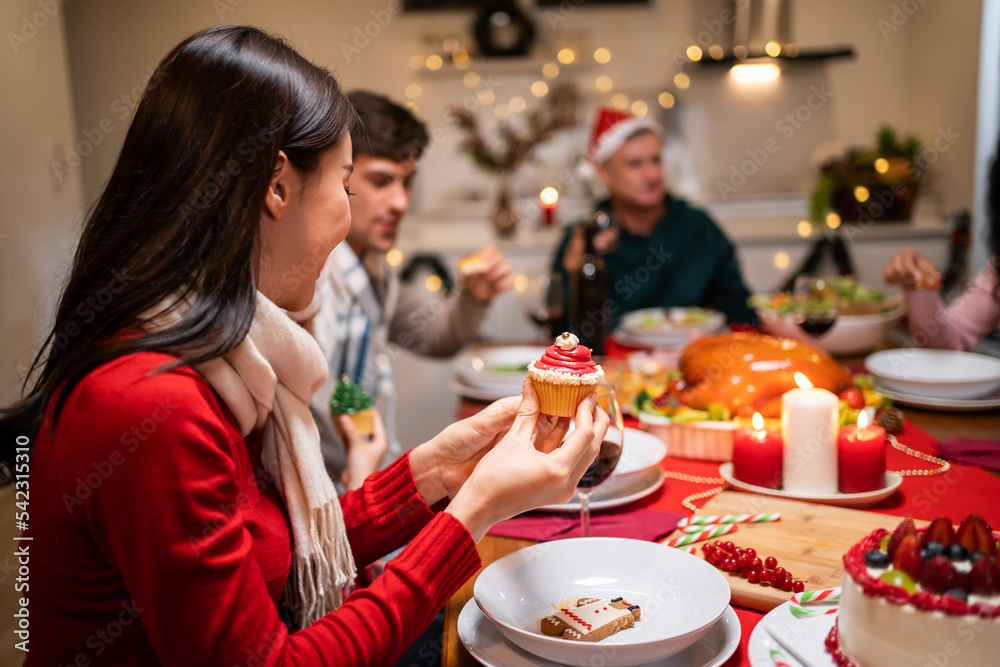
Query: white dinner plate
{"x":681,"y":597}
{"x":479,"y":394}
{"x":802,"y":640}
{"x":611,"y":498}
{"x":936,"y":374}
{"x":989,"y":402}
{"x":482,"y":639}
{"x":477,"y":367}
{"x":892,"y":482}
{"x":671,"y":342}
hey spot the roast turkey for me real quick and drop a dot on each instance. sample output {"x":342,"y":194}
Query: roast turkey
{"x":748,"y":372}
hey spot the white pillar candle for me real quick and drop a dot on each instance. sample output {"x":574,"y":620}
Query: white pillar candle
{"x":809,"y":429}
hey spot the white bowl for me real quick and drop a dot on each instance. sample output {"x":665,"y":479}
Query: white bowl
{"x":641,"y":452}
{"x":850,"y":334}
{"x":666,"y":327}
{"x":946,"y":374}
{"x":680,"y":595}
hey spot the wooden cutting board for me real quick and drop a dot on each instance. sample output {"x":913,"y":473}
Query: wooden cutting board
{"x":809,"y":541}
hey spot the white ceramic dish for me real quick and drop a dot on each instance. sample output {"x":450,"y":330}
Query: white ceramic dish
{"x":850,"y":334}
{"x":892,"y":482}
{"x":476,"y":367}
{"x":480,"y":394}
{"x":707,"y":440}
{"x":606,"y":497}
{"x":482,"y":639}
{"x":988,"y":402}
{"x":801,"y":640}
{"x":681,"y":597}
{"x":640,"y":452}
{"x":939,"y":374}
{"x":666,"y":327}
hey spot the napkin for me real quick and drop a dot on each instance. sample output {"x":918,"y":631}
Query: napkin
{"x":637,"y":524}
{"x":982,"y":453}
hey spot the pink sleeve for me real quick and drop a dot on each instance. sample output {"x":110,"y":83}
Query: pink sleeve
{"x":960,"y":326}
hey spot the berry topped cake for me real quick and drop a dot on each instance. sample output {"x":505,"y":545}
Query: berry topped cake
{"x":921,"y":597}
{"x":564,"y":376}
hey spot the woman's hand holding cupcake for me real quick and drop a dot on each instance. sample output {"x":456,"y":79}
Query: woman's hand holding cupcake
{"x":527,"y":467}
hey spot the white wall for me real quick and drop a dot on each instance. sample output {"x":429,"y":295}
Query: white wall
{"x":40,"y":208}
{"x":36,"y":221}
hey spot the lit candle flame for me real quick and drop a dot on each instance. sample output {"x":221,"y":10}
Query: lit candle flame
{"x":862,"y":420}
{"x":758,"y":422}
{"x":803,"y":381}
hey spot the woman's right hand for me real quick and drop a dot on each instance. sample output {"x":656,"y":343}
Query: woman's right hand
{"x":529,"y":467}
{"x":911,"y":270}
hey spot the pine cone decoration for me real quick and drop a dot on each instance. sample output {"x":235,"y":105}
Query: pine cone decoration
{"x":891,"y":419}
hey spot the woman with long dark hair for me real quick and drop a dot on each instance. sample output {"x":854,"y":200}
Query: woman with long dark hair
{"x":972,"y":316}
{"x":178,"y":498}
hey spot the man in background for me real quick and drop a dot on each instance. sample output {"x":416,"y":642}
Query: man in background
{"x":657,"y":250}
{"x":362,"y":310}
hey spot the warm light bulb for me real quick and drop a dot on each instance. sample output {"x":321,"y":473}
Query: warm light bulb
{"x":521,"y":283}
{"x":861,"y":193}
{"x":832,"y":220}
{"x":804,"y":228}
{"x":433,"y":283}
{"x":566,"y":56}
{"x":772,"y":49}
{"x":517,"y":104}
{"x":394,"y":257}
{"x":602,"y":55}
{"x":694,"y":53}
{"x":666,"y":100}
{"x":539,"y":89}
{"x":755,"y":73}
{"x":434,"y":62}
{"x":549,"y":196}
{"x":682,"y":80}
{"x":881,"y":165}
{"x":758,"y":422}
{"x":604,"y":83}
{"x":803,"y":381}
{"x":550,"y":70}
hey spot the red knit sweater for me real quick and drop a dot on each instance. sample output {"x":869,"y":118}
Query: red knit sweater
{"x":158,"y":539}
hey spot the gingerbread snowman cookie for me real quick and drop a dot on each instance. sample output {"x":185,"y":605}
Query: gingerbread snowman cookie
{"x":590,"y":619}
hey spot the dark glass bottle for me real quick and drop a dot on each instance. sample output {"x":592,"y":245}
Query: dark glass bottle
{"x":588,"y":289}
{"x":954,"y":276}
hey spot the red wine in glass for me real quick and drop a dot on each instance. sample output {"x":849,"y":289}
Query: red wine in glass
{"x":545,"y":316}
{"x":815,"y":325}
{"x":602,"y":466}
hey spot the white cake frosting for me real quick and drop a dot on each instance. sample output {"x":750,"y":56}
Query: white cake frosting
{"x":874,"y":632}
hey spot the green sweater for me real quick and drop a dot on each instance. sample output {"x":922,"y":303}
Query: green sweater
{"x":686,"y":261}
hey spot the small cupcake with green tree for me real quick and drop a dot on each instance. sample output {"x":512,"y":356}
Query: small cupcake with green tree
{"x":351,"y":400}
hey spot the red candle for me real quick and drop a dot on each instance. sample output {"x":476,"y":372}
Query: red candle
{"x":549,"y":198}
{"x":861,"y":457}
{"x":757,"y":455}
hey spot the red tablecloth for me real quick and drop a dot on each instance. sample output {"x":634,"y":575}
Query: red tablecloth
{"x":960,"y":491}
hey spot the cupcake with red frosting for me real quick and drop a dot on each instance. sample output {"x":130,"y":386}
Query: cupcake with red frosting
{"x":564,"y":376}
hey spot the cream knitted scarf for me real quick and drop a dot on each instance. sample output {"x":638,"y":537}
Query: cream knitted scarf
{"x":268,"y":381}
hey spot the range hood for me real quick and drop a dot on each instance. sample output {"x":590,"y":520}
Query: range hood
{"x":762,"y":30}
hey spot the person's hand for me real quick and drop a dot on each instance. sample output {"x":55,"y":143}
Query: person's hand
{"x":494,"y":277}
{"x":363,"y":454}
{"x":530,"y":466}
{"x":911,"y":270}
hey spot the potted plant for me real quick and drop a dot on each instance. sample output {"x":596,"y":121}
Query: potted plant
{"x":514,"y":148}
{"x":871,"y":185}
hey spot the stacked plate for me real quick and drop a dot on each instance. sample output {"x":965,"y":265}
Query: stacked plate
{"x":671,"y":328}
{"x":490,"y":373}
{"x":937,"y":378}
{"x":682,"y":599}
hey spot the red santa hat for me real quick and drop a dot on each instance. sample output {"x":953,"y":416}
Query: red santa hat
{"x":612,"y":128}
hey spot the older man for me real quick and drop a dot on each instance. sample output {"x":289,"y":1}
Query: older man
{"x":656,"y":250}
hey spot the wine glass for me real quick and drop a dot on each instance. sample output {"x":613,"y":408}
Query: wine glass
{"x":814,"y":305}
{"x":542,"y":299}
{"x":607,"y":459}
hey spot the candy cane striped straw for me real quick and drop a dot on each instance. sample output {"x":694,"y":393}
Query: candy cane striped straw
{"x":728,"y":518}
{"x":825,"y":596}
{"x":801,"y":612}
{"x":707,"y":534}
{"x":779,"y":659}
{"x":691,"y":550}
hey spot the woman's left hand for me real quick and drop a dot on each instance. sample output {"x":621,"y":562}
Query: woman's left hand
{"x":441,"y":465}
